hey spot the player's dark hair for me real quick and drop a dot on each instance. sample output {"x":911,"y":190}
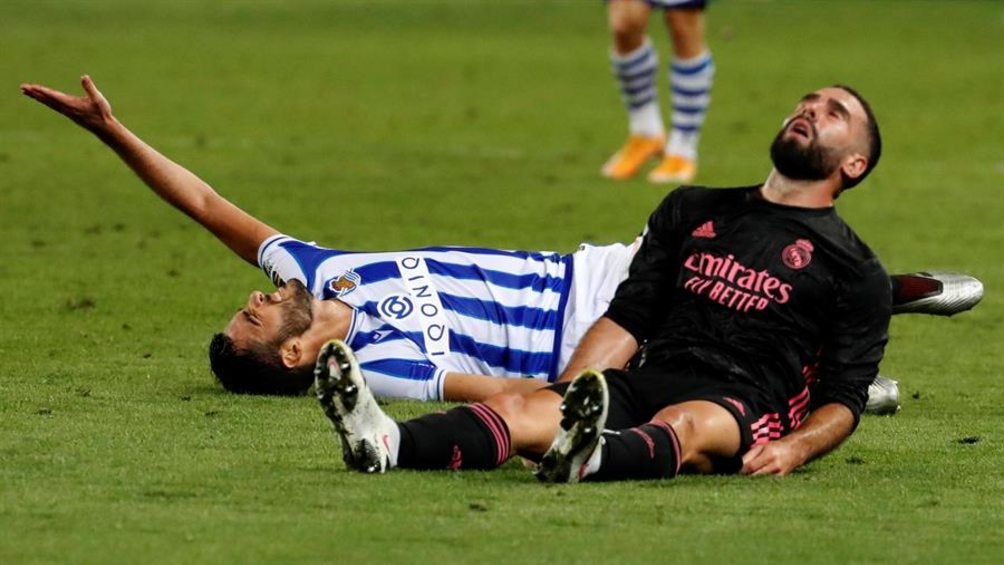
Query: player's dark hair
{"x":874,"y":139}
{"x":257,"y":369}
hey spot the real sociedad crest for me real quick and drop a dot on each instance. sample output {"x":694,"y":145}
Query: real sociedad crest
{"x":349,"y":281}
{"x":798,"y":255}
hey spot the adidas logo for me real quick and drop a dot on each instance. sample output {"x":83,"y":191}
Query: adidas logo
{"x":707,"y":230}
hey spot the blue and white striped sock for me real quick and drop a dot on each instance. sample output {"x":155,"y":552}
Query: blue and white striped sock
{"x":690,"y":84}
{"x":635,"y":73}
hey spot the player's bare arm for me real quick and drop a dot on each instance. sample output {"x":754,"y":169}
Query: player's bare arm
{"x":606,"y":345}
{"x":825,"y":429}
{"x":183,"y":190}
{"x":466,"y":387}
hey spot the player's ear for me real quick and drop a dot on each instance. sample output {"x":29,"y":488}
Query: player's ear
{"x":291,"y":351}
{"x":854,"y":166}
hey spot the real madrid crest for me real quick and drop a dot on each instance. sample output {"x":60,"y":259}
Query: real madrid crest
{"x":798,"y":255}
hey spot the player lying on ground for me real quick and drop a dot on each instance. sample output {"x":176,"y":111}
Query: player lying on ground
{"x":432,"y":324}
{"x":759,"y":384}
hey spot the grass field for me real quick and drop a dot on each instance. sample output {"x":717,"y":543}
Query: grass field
{"x":390,"y":124}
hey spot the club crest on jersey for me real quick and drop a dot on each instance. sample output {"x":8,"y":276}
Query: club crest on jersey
{"x":349,"y":281}
{"x":798,"y":255}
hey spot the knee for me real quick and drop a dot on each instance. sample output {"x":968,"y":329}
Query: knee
{"x":683,"y":422}
{"x":628,"y":25}
{"x":509,"y":405}
{"x":706,"y":432}
{"x":532,"y":418}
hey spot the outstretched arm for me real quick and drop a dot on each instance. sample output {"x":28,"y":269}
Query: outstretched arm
{"x":237,"y":229}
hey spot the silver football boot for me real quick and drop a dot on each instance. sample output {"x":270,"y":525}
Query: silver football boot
{"x":939,"y":293}
{"x":883,"y":397}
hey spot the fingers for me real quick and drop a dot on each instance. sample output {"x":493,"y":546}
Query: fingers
{"x":752,"y":460}
{"x":51,"y":98}
{"x":766,"y":459}
{"x":91,"y":90}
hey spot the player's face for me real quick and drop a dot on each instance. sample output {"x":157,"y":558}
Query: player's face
{"x":272,"y":318}
{"x":827,"y":128}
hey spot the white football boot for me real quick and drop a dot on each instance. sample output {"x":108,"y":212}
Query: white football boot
{"x":354,"y":413}
{"x":883,"y":397}
{"x":583,"y":416}
{"x":939,"y":293}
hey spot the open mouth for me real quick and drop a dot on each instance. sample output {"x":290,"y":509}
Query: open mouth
{"x":801,"y":127}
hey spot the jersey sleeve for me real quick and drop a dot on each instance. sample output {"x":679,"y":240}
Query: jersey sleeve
{"x":278,"y":263}
{"x":402,"y":378}
{"x":855,"y":344}
{"x":395,"y":367}
{"x":644,"y":296}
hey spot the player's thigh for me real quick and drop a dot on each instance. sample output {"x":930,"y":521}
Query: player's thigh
{"x":706,"y":430}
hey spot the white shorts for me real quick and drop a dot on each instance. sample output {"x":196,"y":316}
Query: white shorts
{"x":596,"y":273}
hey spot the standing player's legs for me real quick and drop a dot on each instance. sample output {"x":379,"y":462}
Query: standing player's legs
{"x":691,"y":73}
{"x":635,"y":65}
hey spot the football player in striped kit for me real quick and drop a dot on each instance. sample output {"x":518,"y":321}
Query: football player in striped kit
{"x":438,"y":323}
{"x":635,"y":67}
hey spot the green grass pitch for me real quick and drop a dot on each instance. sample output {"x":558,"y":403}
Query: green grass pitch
{"x":393,"y":123}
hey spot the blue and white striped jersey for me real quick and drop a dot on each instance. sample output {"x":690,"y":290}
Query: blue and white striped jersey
{"x":422,"y":313}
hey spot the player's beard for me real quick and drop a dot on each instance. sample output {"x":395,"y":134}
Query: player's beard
{"x":297,"y":311}
{"x":798,"y":162}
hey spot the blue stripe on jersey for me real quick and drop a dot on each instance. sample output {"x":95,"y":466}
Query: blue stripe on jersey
{"x":512,"y":361}
{"x":380,"y":271}
{"x":383,"y":334}
{"x":521,"y":316}
{"x":384,"y":270}
{"x":560,"y":329}
{"x":498,"y":278}
{"x":402,"y":369}
{"x":308,"y":257}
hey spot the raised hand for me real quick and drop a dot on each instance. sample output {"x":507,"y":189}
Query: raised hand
{"x":92,"y":112}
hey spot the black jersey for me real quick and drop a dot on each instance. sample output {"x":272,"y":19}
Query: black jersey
{"x":786,"y":300}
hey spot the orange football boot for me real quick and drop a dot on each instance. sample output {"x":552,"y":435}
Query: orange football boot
{"x":674,"y":168}
{"x":629,"y":159}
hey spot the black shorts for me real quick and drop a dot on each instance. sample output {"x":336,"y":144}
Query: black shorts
{"x":637,"y":395}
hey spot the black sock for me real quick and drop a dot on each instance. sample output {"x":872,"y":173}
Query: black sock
{"x":651,"y":451}
{"x":466,"y":437}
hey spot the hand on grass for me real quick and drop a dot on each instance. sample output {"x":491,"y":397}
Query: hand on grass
{"x":92,"y":112}
{"x":772,"y":458}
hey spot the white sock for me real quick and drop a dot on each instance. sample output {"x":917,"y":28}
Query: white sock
{"x":393,"y":439}
{"x":595,"y":459}
{"x":690,"y":83}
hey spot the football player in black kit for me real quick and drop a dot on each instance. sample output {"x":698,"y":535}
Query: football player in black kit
{"x":764,"y":317}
